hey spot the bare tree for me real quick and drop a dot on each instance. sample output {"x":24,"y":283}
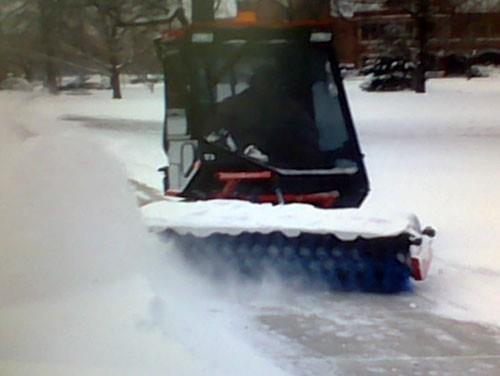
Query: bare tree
{"x":53,"y":37}
{"x":112,"y":22}
{"x":20,"y":41}
{"x":420,"y":12}
{"x":50,"y":17}
{"x":32,"y":38}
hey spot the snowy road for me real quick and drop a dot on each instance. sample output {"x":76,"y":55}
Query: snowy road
{"x":444,"y":167}
{"x":436,"y":155}
{"x":378,"y":335}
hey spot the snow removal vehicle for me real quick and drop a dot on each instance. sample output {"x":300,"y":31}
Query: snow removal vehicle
{"x":265,"y":171}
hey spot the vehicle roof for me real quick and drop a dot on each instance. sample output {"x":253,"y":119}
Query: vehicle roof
{"x":230,"y":27}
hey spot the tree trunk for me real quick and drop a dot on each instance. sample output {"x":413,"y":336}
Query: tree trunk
{"x":115,"y":82}
{"x":114,"y":59}
{"x":422,"y":23}
{"x":420,"y":80}
{"x":49,"y":19}
{"x":28,"y":71}
{"x":51,"y":75}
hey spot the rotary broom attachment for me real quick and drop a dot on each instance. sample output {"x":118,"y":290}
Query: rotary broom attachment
{"x":341,"y":250}
{"x":382,"y":265}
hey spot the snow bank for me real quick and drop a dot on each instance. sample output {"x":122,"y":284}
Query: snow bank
{"x":57,"y":215}
{"x":451,"y":107}
{"x":437,"y":155}
{"x":84,"y":289}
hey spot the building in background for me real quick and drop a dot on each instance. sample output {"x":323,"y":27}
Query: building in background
{"x":469,"y":30}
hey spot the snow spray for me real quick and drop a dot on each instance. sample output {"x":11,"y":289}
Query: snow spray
{"x":84,"y":288}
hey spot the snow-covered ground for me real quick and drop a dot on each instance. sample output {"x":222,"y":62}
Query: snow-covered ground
{"x":436,"y":155}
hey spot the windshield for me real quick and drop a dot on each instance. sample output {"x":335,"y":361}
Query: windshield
{"x":275,"y":101}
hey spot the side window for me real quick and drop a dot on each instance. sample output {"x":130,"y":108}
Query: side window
{"x":328,"y":113}
{"x":176,"y":92}
{"x":233,"y":83}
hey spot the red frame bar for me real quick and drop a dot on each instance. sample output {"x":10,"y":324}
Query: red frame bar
{"x":321,"y":200}
{"x":231,"y":176}
{"x":232,"y":179}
